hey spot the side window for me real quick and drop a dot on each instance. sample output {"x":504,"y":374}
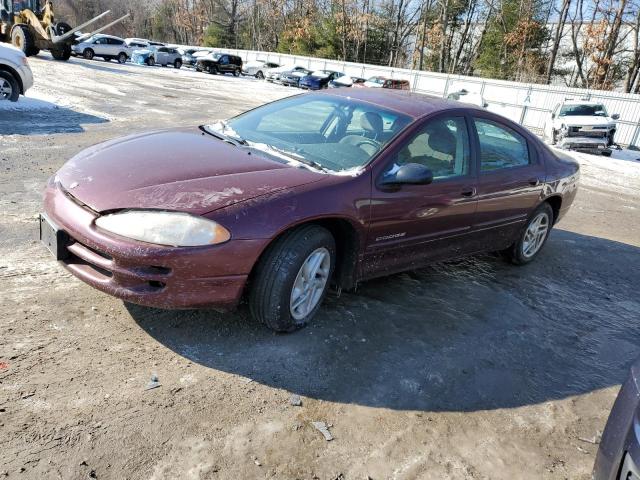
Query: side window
{"x":100,"y":41}
{"x":442,"y":145}
{"x":224,"y":60}
{"x":500,"y":146}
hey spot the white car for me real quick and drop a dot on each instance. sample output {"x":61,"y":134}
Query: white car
{"x":258,"y":68}
{"x":107,"y":47}
{"x":274,"y":74}
{"x":135,"y":43}
{"x":15,"y":74}
{"x":581,"y":125}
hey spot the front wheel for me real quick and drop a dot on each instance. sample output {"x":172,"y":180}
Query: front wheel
{"x":292,"y":278}
{"x":88,"y":54}
{"x":177,"y":64}
{"x":151,"y":61}
{"x":62,"y":53}
{"x":122,"y":58}
{"x":260,"y":75}
{"x":532,"y":237}
{"x":9,"y":88}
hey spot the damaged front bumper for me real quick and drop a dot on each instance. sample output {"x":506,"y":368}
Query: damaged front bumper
{"x":584,"y":144}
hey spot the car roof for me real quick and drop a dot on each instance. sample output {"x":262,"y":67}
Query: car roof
{"x":415,"y":105}
{"x":581,"y":102}
{"x":101,"y":35}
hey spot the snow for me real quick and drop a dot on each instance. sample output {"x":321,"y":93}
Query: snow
{"x":619,"y":173}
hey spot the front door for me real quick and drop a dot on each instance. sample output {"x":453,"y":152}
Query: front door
{"x":510,"y":183}
{"x":412,"y":225}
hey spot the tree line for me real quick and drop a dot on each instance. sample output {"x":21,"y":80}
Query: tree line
{"x":578,"y":43}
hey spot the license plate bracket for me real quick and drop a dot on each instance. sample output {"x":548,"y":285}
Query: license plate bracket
{"x":54,"y":238}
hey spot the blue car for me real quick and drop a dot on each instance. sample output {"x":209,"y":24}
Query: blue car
{"x":319,"y":79}
{"x":618,"y":457}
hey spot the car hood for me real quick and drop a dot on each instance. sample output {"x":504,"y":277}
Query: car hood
{"x":587,"y":120}
{"x":181,"y":170}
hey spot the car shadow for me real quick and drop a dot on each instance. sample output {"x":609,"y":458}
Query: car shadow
{"x":462,"y":336}
{"x":29,"y":116}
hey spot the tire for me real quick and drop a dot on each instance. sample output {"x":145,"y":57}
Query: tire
{"x":62,"y":53}
{"x":62,"y":27}
{"x":260,"y":75}
{"x":236,"y":72}
{"x":151,"y":61}
{"x":22,"y":39}
{"x":9,"y":87}
{"x":278,"y":270}
{"x":122,"y":58}
{"x":177,"y":64}
{"x":517,"y":253}
{"x":88,"y":54}
{"x":554,"y":136}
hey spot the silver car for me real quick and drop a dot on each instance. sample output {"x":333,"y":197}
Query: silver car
{"x":105,"y":46}
{"x":157,"y":55}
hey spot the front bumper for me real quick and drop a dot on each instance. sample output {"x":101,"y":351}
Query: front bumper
{"x":584,"y":144}
{"x":152,"y":275}
{"x":26,"y":77}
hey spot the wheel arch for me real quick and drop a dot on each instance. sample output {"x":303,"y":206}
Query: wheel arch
{"x":555,"y":201}
{"x":14,"y":74}
{"x":347,"y":238}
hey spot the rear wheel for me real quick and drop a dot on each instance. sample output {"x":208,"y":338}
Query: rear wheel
{"x":22,"y":39}
{"x":177,"y":64}
{"x":532,"y":237}
{"x":62,"y":52}
{"x":88,"y":54}
{"x":9,"y":88}
{"x":292,"y":277}
{"x":236,"y":72}
{"x":122,"y":58}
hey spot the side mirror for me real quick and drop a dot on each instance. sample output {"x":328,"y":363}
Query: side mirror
{"x":409,"y":174}
{"x":615,"y":116}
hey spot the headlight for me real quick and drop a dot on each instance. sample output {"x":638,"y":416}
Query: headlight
{"x":164,"y":228}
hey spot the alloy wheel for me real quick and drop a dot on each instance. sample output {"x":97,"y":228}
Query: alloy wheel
{"x":310,"y":283}
{"x":535,"y":235}
{"x":6,"y":91}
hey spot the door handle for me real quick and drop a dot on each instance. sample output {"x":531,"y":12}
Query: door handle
{"x":469,"y":192}
{"x":534,"y":182}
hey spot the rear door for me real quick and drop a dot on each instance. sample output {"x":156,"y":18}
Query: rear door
{"x":223,"y":64}
{"x":510,"y":183}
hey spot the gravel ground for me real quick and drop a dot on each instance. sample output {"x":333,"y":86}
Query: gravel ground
{"x":473,"y":369}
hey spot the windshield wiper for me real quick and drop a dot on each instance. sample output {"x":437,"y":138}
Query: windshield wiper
{"x":291,"y":155}
{"x":234,"y":139}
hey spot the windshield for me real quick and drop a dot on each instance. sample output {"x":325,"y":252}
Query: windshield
{"x":335,"y":134}
{"x":586,"y":110}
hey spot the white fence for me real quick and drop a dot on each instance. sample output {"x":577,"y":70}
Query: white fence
{"x":527,"y":104}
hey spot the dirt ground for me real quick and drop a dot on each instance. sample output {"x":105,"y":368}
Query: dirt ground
{"x":469,"y":370}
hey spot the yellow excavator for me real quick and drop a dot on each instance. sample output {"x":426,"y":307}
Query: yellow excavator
{"x":32,"y":27}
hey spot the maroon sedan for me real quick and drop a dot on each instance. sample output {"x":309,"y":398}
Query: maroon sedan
{"x":278,"y":203}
